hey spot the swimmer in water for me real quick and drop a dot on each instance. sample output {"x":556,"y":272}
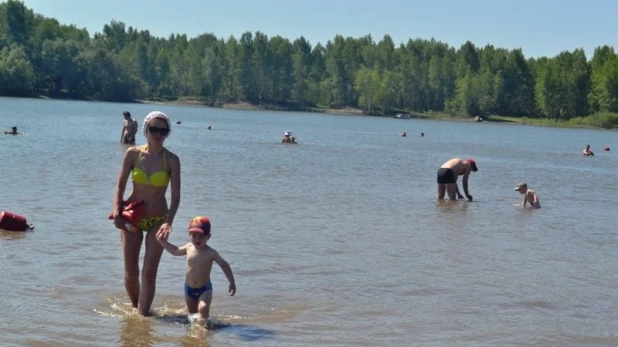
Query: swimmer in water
{"x":530,"y":196}
{"x":587,"y":151}
{"x":13,"y":132}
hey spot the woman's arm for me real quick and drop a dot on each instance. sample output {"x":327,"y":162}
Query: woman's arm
{"x":127,"y":165}
{"x":175,"y":185}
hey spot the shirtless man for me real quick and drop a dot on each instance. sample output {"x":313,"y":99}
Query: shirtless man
{"x":448,"y":174}
{"x":129,"y":129}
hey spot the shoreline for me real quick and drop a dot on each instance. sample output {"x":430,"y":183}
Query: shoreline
{"x":352,"y":111}
{"x":347,"y":111}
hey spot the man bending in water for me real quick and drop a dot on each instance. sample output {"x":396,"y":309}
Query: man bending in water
{"x":448,"y":174}
{"x":129,"y":129}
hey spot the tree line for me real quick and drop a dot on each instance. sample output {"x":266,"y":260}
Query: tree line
{"x":38,"y":55}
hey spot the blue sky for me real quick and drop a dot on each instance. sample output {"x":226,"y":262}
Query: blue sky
{"x":539,"y":28}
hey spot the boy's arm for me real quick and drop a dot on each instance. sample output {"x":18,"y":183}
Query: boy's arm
{"x":173,"y":250}
{"x":523,"y":203}
{"x":227,"y":270}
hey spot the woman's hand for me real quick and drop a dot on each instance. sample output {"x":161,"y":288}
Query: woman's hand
{"x":164,"y":231}
{"x":120,"y":222}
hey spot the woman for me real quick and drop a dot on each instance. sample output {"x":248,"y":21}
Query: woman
{"x":152,"y":168}
{"x":587,"y":151}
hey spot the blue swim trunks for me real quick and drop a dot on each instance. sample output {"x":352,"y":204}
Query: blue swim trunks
{"x":196,"y":292}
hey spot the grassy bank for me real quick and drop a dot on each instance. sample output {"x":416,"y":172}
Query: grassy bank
{"x":603,"y":120}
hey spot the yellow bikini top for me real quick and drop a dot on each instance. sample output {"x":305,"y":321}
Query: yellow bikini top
{"x":158,"y":179}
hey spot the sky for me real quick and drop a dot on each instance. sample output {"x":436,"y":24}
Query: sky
{"x":540,"y":28}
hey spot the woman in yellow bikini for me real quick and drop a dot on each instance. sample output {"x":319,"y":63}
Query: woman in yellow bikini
{"x":152,"y":169}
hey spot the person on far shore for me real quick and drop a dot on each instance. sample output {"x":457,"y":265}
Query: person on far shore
{"x":530,"y":196}
{"x":200,"y":257}
{"x":587,"y":152}
{"x":13,"y":132}
{"x":448,"y":174}
{"x":129,"y":129}
{"x":288,"y":138}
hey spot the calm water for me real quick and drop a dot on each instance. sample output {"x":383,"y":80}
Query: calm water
{"x":335,"y":241}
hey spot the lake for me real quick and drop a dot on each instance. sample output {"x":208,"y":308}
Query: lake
{"x":336,"y":241}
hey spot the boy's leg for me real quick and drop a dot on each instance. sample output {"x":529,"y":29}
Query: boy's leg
{"x":131,"y":243}
{"x":191,"y":304}
{"x":204,"y":306}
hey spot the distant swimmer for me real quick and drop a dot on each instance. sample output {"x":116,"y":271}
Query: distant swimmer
{"x":209,"y":127}
{"x":530,"y":196}
{"x":178,"y":122}
{"x":448,"y":174}
{"x":129,"y":129}
{"x":288,"y":138}
{"x":606,"y":149}
{"x":13,"y":132}
{"x":403,"y":134}
{"x":422,"y":134}
{"x":587,"y":151}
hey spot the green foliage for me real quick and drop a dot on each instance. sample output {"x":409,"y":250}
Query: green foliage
{"x":605,"y":120}
{"x":38,"y":55}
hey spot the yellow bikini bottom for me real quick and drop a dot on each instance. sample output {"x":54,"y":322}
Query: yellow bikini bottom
{"x":146,"y":223}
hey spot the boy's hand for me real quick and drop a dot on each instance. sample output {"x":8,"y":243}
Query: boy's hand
{"x":232,"y":289}
{"x":164,"y":231}
{"x":162,"y":236}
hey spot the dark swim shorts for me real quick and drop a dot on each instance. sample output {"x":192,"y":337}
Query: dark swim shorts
{"x":128,"y":140}
{"x":446,"y":176}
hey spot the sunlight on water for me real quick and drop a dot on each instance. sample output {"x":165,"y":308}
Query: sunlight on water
{"x":336,"y":241}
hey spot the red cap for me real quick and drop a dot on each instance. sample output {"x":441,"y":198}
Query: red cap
{"x":200,"y":224}
{"x":473,"y":165}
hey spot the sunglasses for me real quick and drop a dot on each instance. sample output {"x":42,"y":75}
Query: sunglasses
{"x":157,"y":130}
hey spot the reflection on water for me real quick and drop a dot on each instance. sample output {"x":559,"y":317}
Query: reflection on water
{"x":336,"y":241}
{"x":137,"y":331}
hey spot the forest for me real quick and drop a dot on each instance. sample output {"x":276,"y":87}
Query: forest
{"x":41,"y":57}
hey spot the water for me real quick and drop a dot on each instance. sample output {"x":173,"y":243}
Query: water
{"x":335,"y":241}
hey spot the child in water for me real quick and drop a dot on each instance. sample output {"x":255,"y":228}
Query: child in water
{"x":198,"y":288}
{"x":529,"y":196}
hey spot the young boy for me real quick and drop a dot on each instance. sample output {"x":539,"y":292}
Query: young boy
{"x":529,"y":195}
{"x":198,"y":289}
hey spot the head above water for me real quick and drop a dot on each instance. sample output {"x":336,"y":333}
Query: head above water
{"x":14,"y":129}
{"x":473,"y":164}
{"x":126,"y":114}
{"x":521,"y":185}
{"x":151,"y":117}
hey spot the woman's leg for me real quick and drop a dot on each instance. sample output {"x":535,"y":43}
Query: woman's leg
{"x":149,"y":270}
{"x":131,"y":243}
